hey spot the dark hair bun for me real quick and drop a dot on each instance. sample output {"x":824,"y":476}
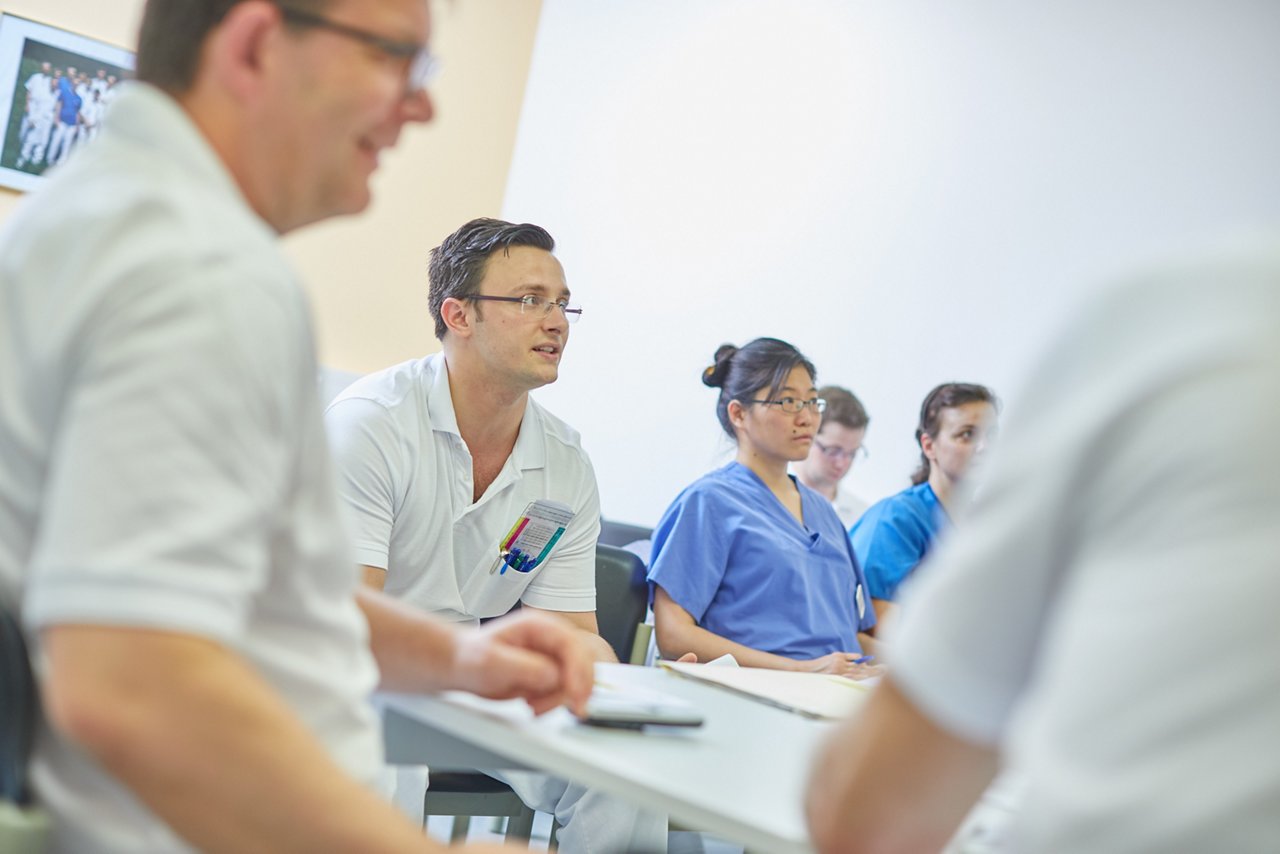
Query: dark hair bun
{"x":714,"y":376}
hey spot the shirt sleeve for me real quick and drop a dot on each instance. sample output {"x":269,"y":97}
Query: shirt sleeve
{"x":690,"y":551}
{"x":568,"y":581}
{"x":174,"y":453}
{"x":367,"y":453}
{"x":888,"y":547}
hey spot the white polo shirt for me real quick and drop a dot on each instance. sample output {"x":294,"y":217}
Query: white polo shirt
{"x":405,"y":477}
{"x":162,"y":460}
{"x":849,"y":507}
{"x":1109,"y":609}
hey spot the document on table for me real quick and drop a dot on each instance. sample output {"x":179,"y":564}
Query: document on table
{"x":814,"y":695}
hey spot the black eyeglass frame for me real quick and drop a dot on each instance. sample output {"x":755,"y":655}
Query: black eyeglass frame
{"x":423,"y":64}
{"x":528,"y":301}
{"x":817,"y":404}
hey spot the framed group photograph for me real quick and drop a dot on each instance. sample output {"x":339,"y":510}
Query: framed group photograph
{"x":55,"y":86}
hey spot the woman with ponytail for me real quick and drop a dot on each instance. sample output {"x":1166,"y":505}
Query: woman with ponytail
{"x":893,"y":536}
{"x":748,"y":561}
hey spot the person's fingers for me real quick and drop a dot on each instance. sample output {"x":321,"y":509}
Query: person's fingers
{"x":547,"y":702}
{"x":559,"y":642}
{"x":688,"y":658}
{"x":513,"y":671}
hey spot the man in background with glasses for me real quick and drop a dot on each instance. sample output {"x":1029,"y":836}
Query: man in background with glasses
{"x":835,"y":447}
{"x":441,"y":460}
{"x":168,"y":527}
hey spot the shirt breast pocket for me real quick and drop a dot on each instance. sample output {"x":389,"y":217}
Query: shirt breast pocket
{"x":488,"y":592}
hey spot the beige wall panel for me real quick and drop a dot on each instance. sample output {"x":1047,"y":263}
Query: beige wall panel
{"x":367,"y":274}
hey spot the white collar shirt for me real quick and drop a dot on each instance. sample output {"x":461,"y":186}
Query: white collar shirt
{"x":405,"y":476}
{"x":162,"y":459}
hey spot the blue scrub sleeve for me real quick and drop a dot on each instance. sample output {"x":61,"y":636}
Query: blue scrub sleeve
{"x":887,"y":549}
{"x":690,"y":552}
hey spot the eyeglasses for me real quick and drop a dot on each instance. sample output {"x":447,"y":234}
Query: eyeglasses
{"x":831,"y":452}
{"x":423,"y":65}
{"x":537,"y":306}
{"x":794,"y":405}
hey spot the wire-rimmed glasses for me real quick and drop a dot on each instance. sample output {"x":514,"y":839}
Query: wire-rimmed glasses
{"x":531,"y":304}
{"x":831,"y":452}
{"x":794,"y":405}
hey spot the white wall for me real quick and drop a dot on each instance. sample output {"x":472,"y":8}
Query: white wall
{"x":910,"y":192}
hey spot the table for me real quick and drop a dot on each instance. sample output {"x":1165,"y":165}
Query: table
{"x":741,"y":775}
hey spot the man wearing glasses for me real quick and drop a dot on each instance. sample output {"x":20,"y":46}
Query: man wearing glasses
{"x":168,"y":527}
{"x":835,"y":447}
{"x":443,"y":462}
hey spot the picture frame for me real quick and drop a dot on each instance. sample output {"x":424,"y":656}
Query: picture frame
{"x":39,"y":127}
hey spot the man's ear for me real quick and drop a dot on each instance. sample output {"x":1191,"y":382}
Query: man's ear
{"x":453,"y":312}
{"x":245,"y":46}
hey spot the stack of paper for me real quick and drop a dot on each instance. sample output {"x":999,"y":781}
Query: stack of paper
{"x":814,"y":695}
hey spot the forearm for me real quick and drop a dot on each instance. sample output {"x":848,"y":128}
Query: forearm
{"x":373,"y":577}
{"x":870,"y":645}
{"x":527,"y":655}
{"x":197,"y":735}
{"x":414,"y":651}
{"x":588,"y":632}
{"x":891,"y":780}
{"x":677,"y":640}
{"x":597,"y":646}
{"x":886,"y":613}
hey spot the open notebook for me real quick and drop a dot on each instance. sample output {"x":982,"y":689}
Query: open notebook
{"x":814,"y":695}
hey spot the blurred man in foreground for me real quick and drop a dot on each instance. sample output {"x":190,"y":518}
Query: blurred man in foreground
{"x":1106,"y":619}
{"x":168,"y":523}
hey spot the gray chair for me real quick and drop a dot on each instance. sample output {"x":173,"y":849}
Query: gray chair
{"x":463,"y":794}
{"x":622,"y":600}
{"x":622,"y":597}
{"x":621,"y":533}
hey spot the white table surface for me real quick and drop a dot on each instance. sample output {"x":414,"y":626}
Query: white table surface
{"x":740,"y":776}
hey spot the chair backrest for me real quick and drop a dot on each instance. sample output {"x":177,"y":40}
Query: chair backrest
{"x":19,"y":707}
{"x":622,"y":597}
{"x":621,"y":534}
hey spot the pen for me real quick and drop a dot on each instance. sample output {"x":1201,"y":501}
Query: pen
{"x":863,"y":659}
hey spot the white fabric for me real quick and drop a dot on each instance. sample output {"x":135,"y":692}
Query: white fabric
{"x":42,"y":103}
{"x":405,"y":477}
{"x":591,"y":822}
{"x":849,"y":507}
{"x":162,"y":458}
{"x":60,"y":143}
{"x":1110,"y":605}
{"x":36,"y":83}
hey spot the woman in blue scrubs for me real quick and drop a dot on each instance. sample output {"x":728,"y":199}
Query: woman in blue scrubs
{"x":747,"y":560}
{"x":893,"y":536}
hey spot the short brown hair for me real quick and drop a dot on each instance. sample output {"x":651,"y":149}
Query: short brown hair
{"x":457,"y":264}
{"x":843,"y":408}
{"x":172,"y":35}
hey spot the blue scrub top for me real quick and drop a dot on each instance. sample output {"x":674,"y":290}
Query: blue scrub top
{"x":731,"y":555}
{"x":894,"y":535}
{"x":69,"y":104}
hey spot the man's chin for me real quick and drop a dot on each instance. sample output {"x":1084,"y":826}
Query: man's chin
{"x":539,"y":377}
